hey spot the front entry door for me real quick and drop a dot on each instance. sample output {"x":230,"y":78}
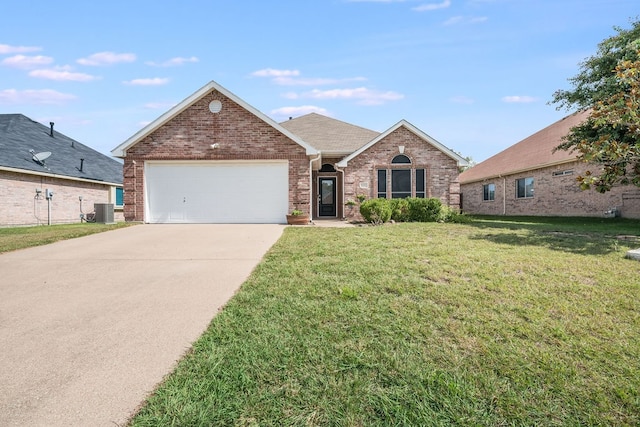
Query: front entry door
{"x":327,"y":197}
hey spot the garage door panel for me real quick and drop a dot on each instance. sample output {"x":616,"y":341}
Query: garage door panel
{"x":243,"y":192}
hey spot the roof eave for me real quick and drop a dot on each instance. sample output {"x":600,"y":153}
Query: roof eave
{"x":55,"y":175}
{"x":517,"y":171}
{"x":121,"y":150}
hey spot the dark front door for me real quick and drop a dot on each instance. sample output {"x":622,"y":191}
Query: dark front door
{"x":327,"y":197}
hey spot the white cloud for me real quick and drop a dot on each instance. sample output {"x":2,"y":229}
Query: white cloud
{"x":432,"y":6}
{"x":462,"y":100}
{"x":7,"y":49}
{"x":270,"y":72}
{"x":106,"y":58}
{"x":519,"y":99}
{"x":298,"y":111}
{"x":26,"y":62}
{"x":144,"y":123}
{"x":376,"y":1}
{"x":363,"y":95}
{"x":43,"y":96}
{"x":173,"y":62}
{"x":465,"y":20}
{"x":62,"y":75}
{"x":156,"y":81}
{"x":318,"y":81}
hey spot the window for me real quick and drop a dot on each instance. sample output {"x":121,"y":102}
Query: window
{"x":420,"y":181}
{"x":401,"y":159}
{"x":524,"y":188}
{"x":382,"y":183}
{"x":489,"y":192}
{"x":327,"y":167}
{"x":563,"y":173}
{"x":400,"y":183}
{"x":119,"y":196}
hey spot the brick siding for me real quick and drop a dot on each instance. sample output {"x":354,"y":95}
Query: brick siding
{"x":20,"y":205}
{"x":441,"y":170}
{"x":240,"y":135}
{"x":553,"y":195}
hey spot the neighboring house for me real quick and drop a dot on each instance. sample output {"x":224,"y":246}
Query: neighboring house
{"x":37,"y":161}
{"x":530,"y":178}
{"x":213,"y":158}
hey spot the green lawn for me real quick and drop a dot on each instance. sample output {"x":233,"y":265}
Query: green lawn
{"x":498,"y":322}
{"x":15,"y":238}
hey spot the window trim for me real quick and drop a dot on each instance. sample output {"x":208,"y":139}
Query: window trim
{"x":489,"y":192}
{"x":528,"y":194}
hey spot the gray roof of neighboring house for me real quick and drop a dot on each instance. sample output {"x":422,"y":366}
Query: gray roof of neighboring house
{"x":329,"y":135}
{"x":533,"y":152}
{"x":19,"y":134}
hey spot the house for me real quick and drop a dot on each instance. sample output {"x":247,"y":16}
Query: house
{"x":530,"y":178}
{"x":49,"y":178}
{"x":213,"y":158}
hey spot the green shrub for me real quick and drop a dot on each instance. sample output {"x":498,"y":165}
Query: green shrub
{"x":399,"y":210}
{"x":424,"y":210}
{"x":376,"y":211}
{"x":448,"y":214}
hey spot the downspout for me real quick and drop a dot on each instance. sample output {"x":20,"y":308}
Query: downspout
{"x":342,"y":205}
{"x":318,"y":157}
{"x":504,"y":195}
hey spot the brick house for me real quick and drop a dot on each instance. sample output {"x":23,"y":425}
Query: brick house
{"x":37,"y":161}
{"x":529,"y":178}
{"x":215,"y":158}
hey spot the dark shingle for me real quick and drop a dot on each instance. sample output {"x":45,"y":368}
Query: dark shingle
{"x":19,"y":134}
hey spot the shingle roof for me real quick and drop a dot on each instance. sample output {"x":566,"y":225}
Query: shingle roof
{"x":329,"y":135}
{"x":19,"y":134}
{"x":533,"y":152}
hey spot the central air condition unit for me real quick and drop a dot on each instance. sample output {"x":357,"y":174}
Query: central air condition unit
{"x":104,"y":212}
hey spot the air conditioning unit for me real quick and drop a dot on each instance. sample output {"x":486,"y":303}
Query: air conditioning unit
{"x":104,"y":212}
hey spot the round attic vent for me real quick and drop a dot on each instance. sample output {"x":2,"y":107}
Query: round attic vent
{"x":215,"y":106}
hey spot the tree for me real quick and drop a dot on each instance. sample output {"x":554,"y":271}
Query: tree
{"x":608,"y":85}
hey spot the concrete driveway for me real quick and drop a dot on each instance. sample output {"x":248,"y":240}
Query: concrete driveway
{"x":89,"y":326}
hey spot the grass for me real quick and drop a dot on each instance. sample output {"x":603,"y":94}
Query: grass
{"x":15,"y":238}
{"x":498,"y":322}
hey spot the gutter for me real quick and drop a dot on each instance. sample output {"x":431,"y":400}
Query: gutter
{"x":53,"y":175}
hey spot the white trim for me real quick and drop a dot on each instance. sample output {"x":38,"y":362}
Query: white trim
{"x":121,"y":150}
{"x":53,"y":175}
{"x":403,"y":123}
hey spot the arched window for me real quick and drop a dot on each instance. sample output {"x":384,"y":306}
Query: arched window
{"x":327,"y":167}
{"x":401,"y":159}
{"x":400,"y":179}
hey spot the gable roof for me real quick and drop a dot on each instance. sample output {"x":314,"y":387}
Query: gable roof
{"x":403,"y":123}
{"x":533,"y":152}
{"x":331,"y":136}
{"x":121,"y":150}
{"x":19,"y":134}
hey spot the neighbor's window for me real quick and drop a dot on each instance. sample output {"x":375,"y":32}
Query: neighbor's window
{"x":524,"y":188}
{"x":563,"y":173}
{"x":489,"y":192}
{"x":119,"y":196}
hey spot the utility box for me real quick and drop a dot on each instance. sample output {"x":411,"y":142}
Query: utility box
{"x":104,"y":212}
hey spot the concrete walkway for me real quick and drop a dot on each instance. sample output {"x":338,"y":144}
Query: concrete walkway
{"x":89,"y":326}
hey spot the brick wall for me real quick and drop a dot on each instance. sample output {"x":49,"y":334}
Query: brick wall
{"x":557,"y":195}
{"x":240,"y":135}
{"x":441,"y":170}
{"x":20,"y":204}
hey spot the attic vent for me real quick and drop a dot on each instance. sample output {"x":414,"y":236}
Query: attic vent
{"x":215,"y":106}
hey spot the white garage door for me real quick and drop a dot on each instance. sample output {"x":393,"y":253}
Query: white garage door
{"x":217,"y":192}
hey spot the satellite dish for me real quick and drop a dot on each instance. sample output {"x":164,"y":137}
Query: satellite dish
{"x":40,"y":157}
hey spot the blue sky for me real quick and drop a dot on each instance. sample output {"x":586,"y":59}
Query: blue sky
{"x":476,"y":75}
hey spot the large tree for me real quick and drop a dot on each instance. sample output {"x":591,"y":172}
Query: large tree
{"x":608,"y":85}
